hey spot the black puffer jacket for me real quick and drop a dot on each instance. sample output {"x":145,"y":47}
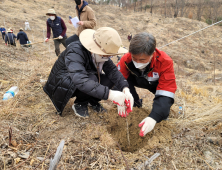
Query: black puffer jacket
{"x":71,"y":71}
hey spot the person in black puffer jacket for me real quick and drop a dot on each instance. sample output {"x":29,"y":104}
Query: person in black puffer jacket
{"x":79,"y":72}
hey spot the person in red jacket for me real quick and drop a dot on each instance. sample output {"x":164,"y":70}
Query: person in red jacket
{"x":149,"y":68}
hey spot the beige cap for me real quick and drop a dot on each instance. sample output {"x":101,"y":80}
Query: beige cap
{"x":9,"y":30}
{"x":104,"y":41}
{"x":51,"y":11}
{"x":21,"y":29}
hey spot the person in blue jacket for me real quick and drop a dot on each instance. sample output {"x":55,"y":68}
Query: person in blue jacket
{"x":2,"y":29}
{"x":10,"y":38}
{"x":22,"y":37}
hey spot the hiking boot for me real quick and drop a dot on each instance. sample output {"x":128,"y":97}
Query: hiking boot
{"x":98,"y":108}
{"x":138,"y":103}
{"x":81,"y":110}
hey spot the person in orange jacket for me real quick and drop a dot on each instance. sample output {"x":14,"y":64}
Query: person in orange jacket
{"x":149,"y":68}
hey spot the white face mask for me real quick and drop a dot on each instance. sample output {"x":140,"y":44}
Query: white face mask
{"x":140,"y":65}
{"x":52,"y":17}
{"x":100,"y":59}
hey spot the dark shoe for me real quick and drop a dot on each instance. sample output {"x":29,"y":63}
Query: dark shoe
{"x":98,"y":108}
{"x":81,"y":110}
{"x":138,"y":103}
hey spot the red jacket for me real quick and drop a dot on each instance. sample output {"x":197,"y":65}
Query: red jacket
{"x":162,"y":71}
{"x":158,"y":77}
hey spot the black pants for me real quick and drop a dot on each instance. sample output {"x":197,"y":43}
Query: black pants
{"x":141,"y":83}
{"x":13,"y":44}
{"x":3,"y":36}
{"x":57,"y":42}
{"x":83,"y":98}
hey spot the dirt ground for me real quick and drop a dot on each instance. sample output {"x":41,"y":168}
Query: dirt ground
{"x":191,"y":139}
{"x":128,"y":136}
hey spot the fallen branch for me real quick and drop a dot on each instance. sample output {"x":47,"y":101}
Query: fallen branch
{"x":127,"y":167}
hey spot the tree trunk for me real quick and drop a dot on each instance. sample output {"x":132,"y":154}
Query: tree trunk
{"x":141,"y":5}
{"x":151,"y":7}
{"x":176,"y":10}
{"x":135,"y":5}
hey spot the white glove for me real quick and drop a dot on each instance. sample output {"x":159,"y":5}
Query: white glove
{"x":129,"y":100}
{"x":117,"y":97}
{"x":60,"y":37}
{"x":148,"y":124}
{"x":46,"y":40}
{"x":122,"y":110}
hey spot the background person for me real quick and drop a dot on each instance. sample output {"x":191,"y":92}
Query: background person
{"x":129,"y":37}
{"x":10,"y":38}
{"x":2,"y":29}
{"x":149,"y":68}
{"x":27,"y":27}
{"x":22,"y":37}
{"x":58,"y":29}
{"x":87,"y":19}
{"x":78,"y":73}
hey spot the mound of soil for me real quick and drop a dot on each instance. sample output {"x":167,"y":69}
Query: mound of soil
{"x":117,"y":127}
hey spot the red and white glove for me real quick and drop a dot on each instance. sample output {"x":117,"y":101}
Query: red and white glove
{"x":118,"y":98}
{"x":147,"y":125}
{"x":46,"y":40}
{"x":6,"y":44}
{"x":129,"y":100}
{"x":122,"y":110}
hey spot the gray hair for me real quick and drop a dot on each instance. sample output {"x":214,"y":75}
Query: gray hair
{"x":142,"y":43}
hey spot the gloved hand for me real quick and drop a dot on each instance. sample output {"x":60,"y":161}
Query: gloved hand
{"x":46,"y":40}
{"x":147,"y":125}
{"x":117,"y":97}
{"x":129,"y":100}
{"x":60,"y":37}
{"x":122,"y":110}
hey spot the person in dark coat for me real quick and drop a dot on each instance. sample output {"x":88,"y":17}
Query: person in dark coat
{"x":2,"y":29}
{"x":130,"y":36}
{"x":58,"y":29}
{"x":85,"y":71}
{"x":10,"y":38}
{"x":22,"y":37}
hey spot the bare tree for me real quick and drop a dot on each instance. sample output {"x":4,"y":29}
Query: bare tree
{"x":141,"y":5}
{"x":176,"y":9}
{"x":135,"y":5}
{"x":200,"y":5}
{"x":182,"y":7}
{"x":151,"y":7}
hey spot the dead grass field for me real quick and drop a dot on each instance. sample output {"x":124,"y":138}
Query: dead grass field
{"x":189,"y":140}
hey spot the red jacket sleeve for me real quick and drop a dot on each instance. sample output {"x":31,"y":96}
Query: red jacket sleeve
{"x":122,"y":66}
{"x":48,"y":30}
{"x":167,"y":80}
{"x":63,"y":27}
